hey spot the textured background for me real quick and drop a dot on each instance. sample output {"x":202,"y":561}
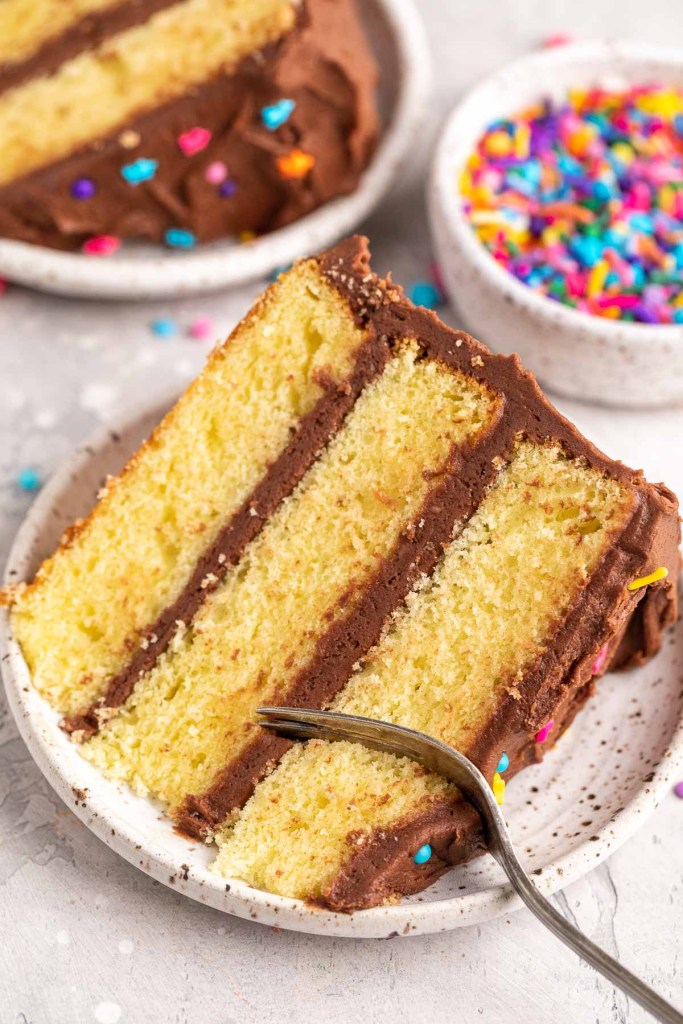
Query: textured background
{"x":85,"y":936}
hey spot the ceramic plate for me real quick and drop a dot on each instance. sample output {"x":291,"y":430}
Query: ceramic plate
{"x":591,"y":793}
{"x":142,"y":271}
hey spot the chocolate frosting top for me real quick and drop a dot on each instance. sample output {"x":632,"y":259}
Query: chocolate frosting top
{"x":324,"y":64}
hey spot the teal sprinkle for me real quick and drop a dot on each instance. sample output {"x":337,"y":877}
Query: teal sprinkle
{"x":503,"y":764}
{"x":180,"y":238}
{"x":140,"y":170}
{"x":424,"y":293}
{"x":29,"y":480}
{"x":423,"y":854}
{"x":277,"y":114}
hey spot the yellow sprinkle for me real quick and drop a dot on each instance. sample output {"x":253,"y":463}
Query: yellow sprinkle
{"x":498,"y":788}
{"x":246,"y":236}
{"x":611,"y":312}
{"x":498,"y":144}
{"x":644,"y":581}
{"x":597,"y":278}
{"x":678,"y":301}
{"x":664,"y":103}
{"x":667,"y":199}
{"x":522,"y":141}
{"x":622,"y":151}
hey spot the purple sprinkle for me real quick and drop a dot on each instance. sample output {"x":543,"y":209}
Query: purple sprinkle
{"x":645,"y":315}
{"x":678,"y":789}
{"x":83,"y":188}
{"x":228,"y":188}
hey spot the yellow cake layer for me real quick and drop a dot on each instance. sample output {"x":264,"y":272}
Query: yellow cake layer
{"x":26,"y":25}
{"x":194,"y":712}
{"x":96,"y":93}
{"x":80,"y":621}
{"x":462,"y":643}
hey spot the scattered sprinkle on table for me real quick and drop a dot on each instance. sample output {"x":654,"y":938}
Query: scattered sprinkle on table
{"x":583,"y":200}
{"x":425,"y":293}
{"x":678,"y":789}
{"x":423,"y":854}
{"x":202,"y":327}
{"x":164,"y":327}
{"x":29,"y":480}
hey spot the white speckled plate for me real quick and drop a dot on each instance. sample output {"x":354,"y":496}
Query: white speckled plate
{"x":144,"y":271}
{"x":591,"y":793}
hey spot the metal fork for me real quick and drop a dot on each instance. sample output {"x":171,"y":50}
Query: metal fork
{"x":300,"y":724}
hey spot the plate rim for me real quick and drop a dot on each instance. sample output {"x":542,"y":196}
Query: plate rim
{"x":37,"y":724}
{"x":222,"y":264}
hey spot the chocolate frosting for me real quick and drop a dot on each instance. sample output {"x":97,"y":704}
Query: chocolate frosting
{"x":324,"y":64}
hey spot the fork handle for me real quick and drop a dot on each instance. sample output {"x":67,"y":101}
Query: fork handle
{"x":539,"y":905}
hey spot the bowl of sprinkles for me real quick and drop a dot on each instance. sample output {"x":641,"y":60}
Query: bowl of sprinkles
{"x":556,"y":205}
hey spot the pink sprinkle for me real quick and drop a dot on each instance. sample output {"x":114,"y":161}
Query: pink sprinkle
{"x":678,"y":789}
{"x":194,"y":140}
{"x":3,"y":286}
{"x":558,"y":39}
{"x":201,"y":328}
{"x":542,"y":734}
{"x":622,"y":301}
{"x":216,"y":172}
{"x":101,"y":245}
{"x":599,"y":662}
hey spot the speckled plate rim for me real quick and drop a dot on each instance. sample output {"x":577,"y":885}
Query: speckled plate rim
{"x":70,"y":775}
{"x":447,"y":201}
{"x":166,"y":274}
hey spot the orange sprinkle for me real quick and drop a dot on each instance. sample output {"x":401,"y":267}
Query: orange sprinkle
{"x":570,"y":210}
{"x":296,"y":164}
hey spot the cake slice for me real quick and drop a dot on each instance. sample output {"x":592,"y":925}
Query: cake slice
{"x":178,"y":120}
{"x":352,"y":507}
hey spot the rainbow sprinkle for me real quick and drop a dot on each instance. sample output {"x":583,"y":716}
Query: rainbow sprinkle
{"x":542,"y":734}
{"x":295,"y":164}
{"x":583,"y":201}
{"x":194,"y":140}
{"x":654,"y":577}
{"x":498,"y":788}
{"x":101,"y":245}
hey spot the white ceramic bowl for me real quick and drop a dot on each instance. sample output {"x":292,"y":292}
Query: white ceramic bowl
{"x":145,"y":271}
{"x":572,"y":353}
{"x":569,"y":813}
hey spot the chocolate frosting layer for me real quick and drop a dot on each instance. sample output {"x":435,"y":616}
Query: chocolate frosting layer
{"x":324,"y":64}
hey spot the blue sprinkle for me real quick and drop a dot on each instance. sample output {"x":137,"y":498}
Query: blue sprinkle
{"x":140,"y":170}
{"x":424,"y":293}
{"x":642,"y":222}
{"x":29,"y":480}
{"x":586,"y":249}
{"x":423,"y":854}
{"x":277,"y":114}
{"x":164,"y":327}
{"x":503,"y":764}
{"x":227,"y":188}
{"x":180,"y":238}
{"x":273,"y":276}
{"x":678,"y":316}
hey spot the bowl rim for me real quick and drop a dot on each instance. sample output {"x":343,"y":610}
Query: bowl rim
{"x":67,"y":773}
{"x":161,"y":273}
{"x":444,"y":184}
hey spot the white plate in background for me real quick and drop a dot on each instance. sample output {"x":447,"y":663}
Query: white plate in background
{"x":148,"y":270}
